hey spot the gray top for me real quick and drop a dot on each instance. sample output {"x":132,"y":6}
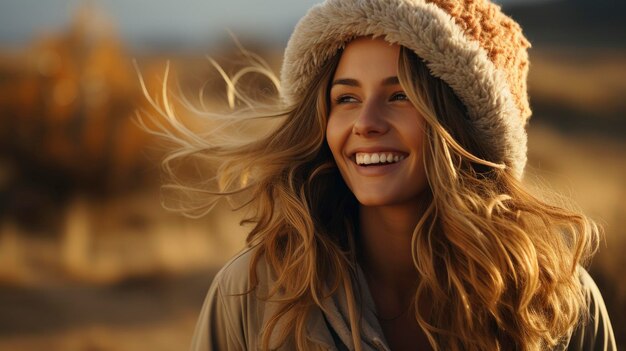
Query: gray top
{"x":230,"y":319}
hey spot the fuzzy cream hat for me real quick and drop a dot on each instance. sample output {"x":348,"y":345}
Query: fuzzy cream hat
{"x":470,"y":44}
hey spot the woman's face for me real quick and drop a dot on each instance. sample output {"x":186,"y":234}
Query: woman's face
{"x":374,"y":132}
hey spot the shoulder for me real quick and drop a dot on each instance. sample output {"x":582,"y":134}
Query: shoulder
{"x":594,"y":332}
{"x":231,"y":314}
{"x":234,"y":278}
{"x":594,"y":297}
{"x":235,"y":274}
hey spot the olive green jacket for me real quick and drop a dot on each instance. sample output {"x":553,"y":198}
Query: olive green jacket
{"x":230,"y":319}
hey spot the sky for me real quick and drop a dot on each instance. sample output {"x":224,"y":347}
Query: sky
{"x":147,"y":22}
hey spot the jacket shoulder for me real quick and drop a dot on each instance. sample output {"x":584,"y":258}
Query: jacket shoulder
{"x":234,"y":277}
{"x":230,"y":318}
{"x":594,"y":332}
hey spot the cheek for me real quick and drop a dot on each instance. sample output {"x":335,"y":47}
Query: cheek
{"x":414,"y":131}
{"x":335,"y":137}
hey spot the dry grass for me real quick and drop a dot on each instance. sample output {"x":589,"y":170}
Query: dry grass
{"x":170,"y":335}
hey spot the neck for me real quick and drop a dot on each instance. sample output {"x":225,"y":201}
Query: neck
{"x":386,"y":233}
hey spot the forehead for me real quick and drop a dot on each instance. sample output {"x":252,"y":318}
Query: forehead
{"x":365,"y":55}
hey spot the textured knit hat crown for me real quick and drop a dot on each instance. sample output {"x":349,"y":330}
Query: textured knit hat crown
{"x":469,"y":44}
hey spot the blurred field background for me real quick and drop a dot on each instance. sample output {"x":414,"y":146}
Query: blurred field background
{"x":89,"y":260}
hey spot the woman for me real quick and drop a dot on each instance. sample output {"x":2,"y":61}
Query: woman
{"x":387,"y":205}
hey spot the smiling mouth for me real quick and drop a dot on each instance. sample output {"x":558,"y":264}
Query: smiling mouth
{"x":367,"y":159}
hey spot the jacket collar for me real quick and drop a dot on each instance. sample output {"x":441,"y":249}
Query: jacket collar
{"x":335,"y":312}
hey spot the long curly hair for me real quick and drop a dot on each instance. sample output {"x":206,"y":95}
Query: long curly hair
{"x":497,"y":264}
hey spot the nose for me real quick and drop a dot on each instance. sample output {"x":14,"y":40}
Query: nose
{"x":371,"y":120}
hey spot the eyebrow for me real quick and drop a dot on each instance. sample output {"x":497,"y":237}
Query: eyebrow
{"x":355,"y":83}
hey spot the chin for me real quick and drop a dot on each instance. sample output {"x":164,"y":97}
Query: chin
{"x":388,"y":199}
{"x":380,"y":200}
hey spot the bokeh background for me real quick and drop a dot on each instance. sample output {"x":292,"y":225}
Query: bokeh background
{"x":89,"y":260}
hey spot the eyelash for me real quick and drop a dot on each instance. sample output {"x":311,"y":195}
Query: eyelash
{"x":401,"y":93}
{"x":340,"y":99}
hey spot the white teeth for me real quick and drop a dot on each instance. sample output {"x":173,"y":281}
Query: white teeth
{"x":375,"y":158}
{"x":367,"y":159}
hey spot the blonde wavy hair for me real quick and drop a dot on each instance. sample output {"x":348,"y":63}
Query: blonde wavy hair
{"x":498,"y":265}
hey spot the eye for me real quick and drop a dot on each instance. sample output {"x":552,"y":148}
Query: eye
{"x":344,"y":99}
{"x":399,"y":96}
